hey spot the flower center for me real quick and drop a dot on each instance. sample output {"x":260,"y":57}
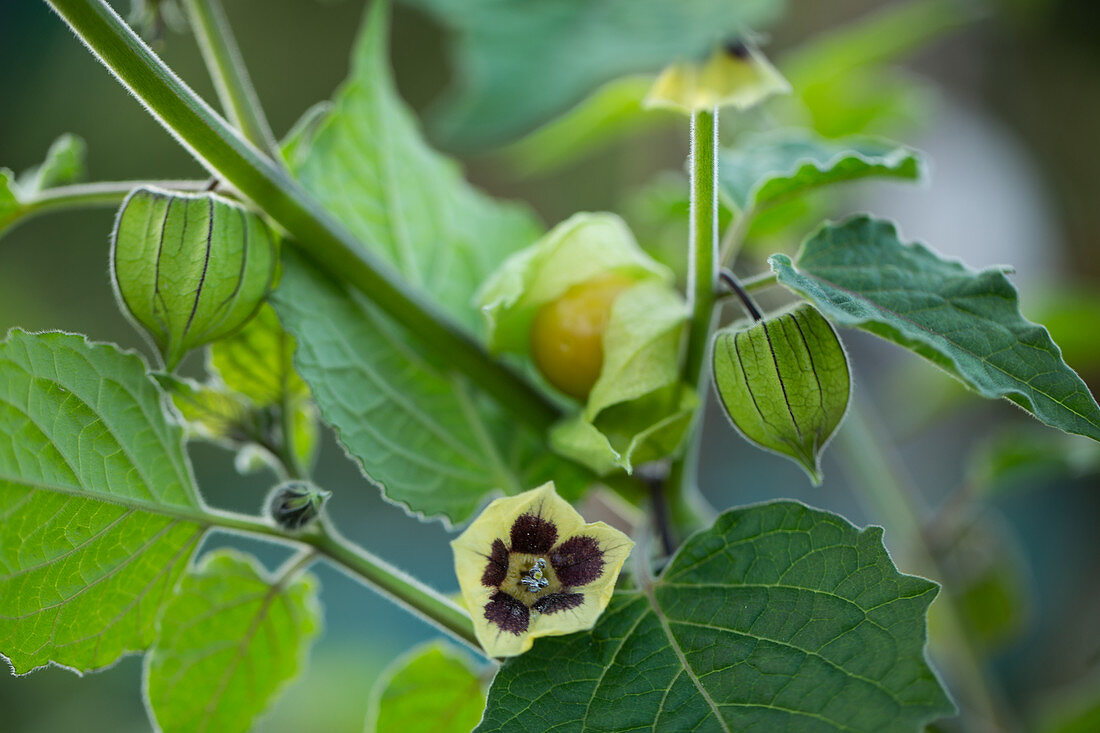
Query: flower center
{"x":534,"y":579}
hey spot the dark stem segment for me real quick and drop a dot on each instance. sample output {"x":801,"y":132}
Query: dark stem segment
{"x":228,"y":155}
{"x":659,"y":502}
{"x":730,"y":280}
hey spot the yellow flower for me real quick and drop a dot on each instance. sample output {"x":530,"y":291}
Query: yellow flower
{"x":736,"y":75}
{"x":529,"y":566}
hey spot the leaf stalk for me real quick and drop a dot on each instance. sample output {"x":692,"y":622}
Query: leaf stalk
{"x":229,"y":74}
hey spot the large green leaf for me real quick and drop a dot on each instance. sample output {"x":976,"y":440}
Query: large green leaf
{"x":370,"y":167}
{"x":768,"y":168}
{"x":521,"y":61}
{"x":432,"y":690}
{"x":859,"y":273}
{"x":231,"y":638}
{"x":98,"y":509}
{"x":779,"y":617}
{"x":417,"y":429}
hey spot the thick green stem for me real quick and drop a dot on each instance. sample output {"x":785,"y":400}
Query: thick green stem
{"x":372,"y":570}
{"x":88,"y":196}
{"x":870,"y":460}
{"x":219,"y":147}
{"x":702,"y":292}
{"x":228,"y":72}
{"x":703,"y":269}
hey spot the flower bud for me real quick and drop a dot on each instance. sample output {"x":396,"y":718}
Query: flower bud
{"x":295,"y":504}
{"x":735,"y":75}
{"x":189,"y":268}
{"x":602,"y":322}
{"x":784,"y":382}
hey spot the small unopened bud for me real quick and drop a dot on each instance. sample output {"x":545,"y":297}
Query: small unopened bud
{"x":295,"y":504}
{"x":189,"y":269}
{"x":784,"y":382}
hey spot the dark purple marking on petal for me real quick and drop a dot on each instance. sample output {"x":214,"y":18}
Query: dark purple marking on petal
{"x":507,"y":613}
{"x":497,"y":568}
{"x":558,"y":602}
{"x":578,"y":561}
{"x":533,"y":535}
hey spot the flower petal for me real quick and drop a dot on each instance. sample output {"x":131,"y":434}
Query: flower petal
{"x":556,"y":602}
{"x":496,"y":566}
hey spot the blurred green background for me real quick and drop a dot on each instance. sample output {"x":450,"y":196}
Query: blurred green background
{"x":1005,"y":101}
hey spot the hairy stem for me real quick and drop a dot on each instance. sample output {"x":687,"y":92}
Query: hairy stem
{"x":702,"y":291}
{"x":222,"y":149}
{"x":88,"y":196}
{"x":871,"y":462}
{"x":703,"y":270}
{"x":228,"y":72}
{"x":362,"y":565}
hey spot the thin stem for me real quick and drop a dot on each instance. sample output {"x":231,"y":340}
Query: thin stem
{"x":372,"y":570}
{"x":407,"y":591}
{"x":87,"y":196}
{"x":871,"y":461}
{"x":735,"y":286}
{"x":219,"y":147}
{"x":227,"y":70}
{"x":759,"y":282}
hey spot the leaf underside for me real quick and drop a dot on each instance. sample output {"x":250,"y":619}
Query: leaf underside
{"x":779,"y":617}
{"x":859,"y":273}
{"x":231,"y":638}
{"x":769,"y":168}
{"x":417,"y":430}
{"x":98,"y":510}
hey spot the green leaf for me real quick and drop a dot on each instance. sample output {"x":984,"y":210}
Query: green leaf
{"x":231,"y":638}
{"x":417,"y":429}
{"x":779,"y":617}
{"x":258,"y":362}
{"x":521,"y":62}
{"x":610,"y":114}
{"x":212,"y":412}
{"x":369,"y":166}
{"x":64,"y":164}
{"x":433,"y":689}
{"x":10,"y":207}
{"x":846,"y":78}
{"x":784,"y":383}
{"x":98,"y":508}
{"x":768,"y":168}
{"x":968,"y":323}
